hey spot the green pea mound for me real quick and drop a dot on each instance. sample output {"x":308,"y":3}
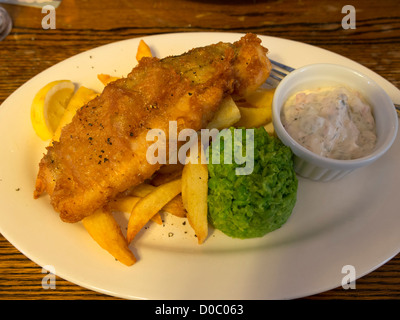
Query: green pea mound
{"x":250,"y":205}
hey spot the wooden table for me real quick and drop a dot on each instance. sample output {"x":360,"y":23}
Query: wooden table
{"x":82,"y":25}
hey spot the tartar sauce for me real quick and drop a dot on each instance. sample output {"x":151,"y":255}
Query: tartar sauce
{"x":334,"y":122}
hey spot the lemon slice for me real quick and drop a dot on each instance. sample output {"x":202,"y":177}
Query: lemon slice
{"x":48,"y":107}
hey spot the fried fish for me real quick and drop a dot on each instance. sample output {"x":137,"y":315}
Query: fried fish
{"x":102,"y":152}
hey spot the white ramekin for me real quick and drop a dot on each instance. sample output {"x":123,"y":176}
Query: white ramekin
{"x":316,"y":167}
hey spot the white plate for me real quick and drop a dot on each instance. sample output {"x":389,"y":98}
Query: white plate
{"x":353,"y":221}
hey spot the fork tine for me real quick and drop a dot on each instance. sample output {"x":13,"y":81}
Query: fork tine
{"x":397,"y":107}
{"x":279,"y":73}
{"x":282,"y":66}
{"x":273,"y":76}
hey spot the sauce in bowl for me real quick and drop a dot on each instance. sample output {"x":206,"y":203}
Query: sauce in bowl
{"x":334,"y":122}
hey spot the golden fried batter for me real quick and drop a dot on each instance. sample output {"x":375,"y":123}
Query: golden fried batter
{"x":102,"y":152}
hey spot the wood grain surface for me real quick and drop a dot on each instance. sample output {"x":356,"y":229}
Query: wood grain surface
{"x":82,"y":25}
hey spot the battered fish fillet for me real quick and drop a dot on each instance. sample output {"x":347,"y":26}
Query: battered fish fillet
{"x":102,"y":152}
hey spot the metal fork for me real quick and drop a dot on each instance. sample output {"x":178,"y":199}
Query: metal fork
{"x":280,"y":70}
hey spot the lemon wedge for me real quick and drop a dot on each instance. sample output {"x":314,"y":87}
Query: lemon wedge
{"x":48,"y":107}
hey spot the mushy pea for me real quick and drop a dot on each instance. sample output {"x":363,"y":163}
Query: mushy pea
{"x":251,"y":205}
